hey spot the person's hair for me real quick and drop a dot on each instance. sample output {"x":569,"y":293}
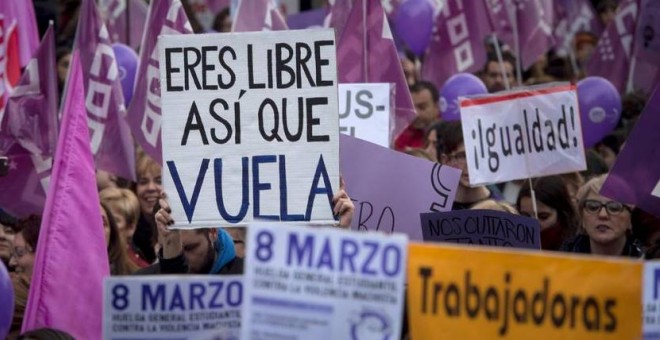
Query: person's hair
{"x":596,"y":166}
{"x":120,"y":264}
{"x":552,"y":191}
{"x":573,"y":179}
{"x":425,"y":85}
{"x":62,"y":52}
{"x":420,"y":153}
{"x":606,"y":5}
{"x":507,"y":57}
{"x":450,"y":136}
{"x":632,"y":104}
{"x":584,"y":37}
{"x":220,"y":19}
{"x":45,"y":334}
{"x":644,"y":225}
{"x":491,"y":204}
{"x":145,"y":164}
{"x":123,"y":200}
{"x":29,"y":228}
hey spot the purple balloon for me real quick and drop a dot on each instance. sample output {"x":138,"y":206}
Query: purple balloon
{"x":127,"y":62}
{"x":459,"y":85}
{"x":600,"y":108}
{"x":414,"y":24}
{"x":7,"y":298}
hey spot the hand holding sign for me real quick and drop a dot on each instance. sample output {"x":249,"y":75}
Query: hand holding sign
{"x":168,"y":239}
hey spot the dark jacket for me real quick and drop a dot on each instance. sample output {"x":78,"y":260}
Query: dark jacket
{"x":143,"y":238}
{"x":580,"y":244}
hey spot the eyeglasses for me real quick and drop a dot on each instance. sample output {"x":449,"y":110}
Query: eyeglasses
{"x":612,"y":207}
{"x":20,"y":252}
{"x":458,"y":157}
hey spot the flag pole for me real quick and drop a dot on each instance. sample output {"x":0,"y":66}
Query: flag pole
{"x":500,"y":61}
{"x":533,"y":193}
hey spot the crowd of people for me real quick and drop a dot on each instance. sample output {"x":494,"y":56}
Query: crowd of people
{"x":573,"y":216}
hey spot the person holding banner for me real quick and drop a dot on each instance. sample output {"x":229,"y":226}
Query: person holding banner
{"x":556,"y":212}
{"x":451,"y":148}
{"x":606,"y":225}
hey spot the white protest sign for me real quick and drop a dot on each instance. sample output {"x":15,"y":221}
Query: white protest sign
{"x":172,"y":307}
{"x":523,"y":133}
{"x":651,"y":300}
{"x":250,"y":126}
{"x":323,"y":283}
{"x":364,"y":112}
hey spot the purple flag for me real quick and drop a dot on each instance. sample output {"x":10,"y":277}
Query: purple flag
{"x":338,"y":13}
{"x":500,"y":20}
{"x":611,"y":57}
{"x":366,"y":54}
{"x":125,"y":20}
{"x":307,"y":19}
{"x":635,"y":177}
{"x":571,"y":17}
{"x":22,"y":13}
{"x":647,"y":36}
{"x":390,"y":189}
{"x":144,"y":114}
{"x":258,"y":15}
{"x":534,"y":21}
{"x":111,"y":140}
{"x":458,"y":41}
{"x":28,"y":133}
{"x":71,"y":260}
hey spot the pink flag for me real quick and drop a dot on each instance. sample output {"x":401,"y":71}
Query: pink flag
{"x":337,"y":16}
{"x":366,"y":54}
{"x":71,"y":259}
{"x":111,"y":140}
{"x":22,"y":14}
{"x":144,"y":114}
{"x":125,"y":20}
{"x":611,"y":57}
{"x":534,"y":21}
{"x":458,"y":41}
{"x":28,"y":133}
{"x":258,"y":15}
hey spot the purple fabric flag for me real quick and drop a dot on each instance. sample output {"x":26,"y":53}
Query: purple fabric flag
{"x":366,"y":54}
{"x":22,"y":13}
{"x":534,"y":21}
{"x":307,"y":19}
{"x":125,"y":20}
{"x":571,"y":17}
{"x":647,"y":36}
{"x":500,"y":20}
{"x":71,"y":235}
{"x":611,"y":57}
{"x":111,"y":140}
{"x":258,"y":15}
{"x":458,"y":41}
{"x":28,"y":133}
{"x":144,"y":114}
{"x":338,"y":13}
{"x":390,"y":189}
{"x":635,"y":176}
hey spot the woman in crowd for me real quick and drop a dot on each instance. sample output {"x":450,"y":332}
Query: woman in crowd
{"x":606,"y":225}
{"x":23,"y":255}
{"x":556,"y":212}
{"x":120,"y":264}
{"x":125,"y":209}
{"x":148,"y":190}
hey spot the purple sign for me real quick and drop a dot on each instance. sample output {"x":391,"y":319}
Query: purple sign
{"x":635,"y":177}
{"x":366,"y":54}
{"x":144,"y":112}
{"x":112,"y":144}
{"x":482,"y":227}
{"x":611,"y":57}
{"x":390,"y":189}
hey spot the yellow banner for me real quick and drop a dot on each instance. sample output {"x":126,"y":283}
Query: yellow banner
{"x":477,"y":293}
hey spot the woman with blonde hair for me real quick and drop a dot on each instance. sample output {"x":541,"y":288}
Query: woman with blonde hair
{"x":120,"y":264}
{"x":606,"y":225}
{"x":148,"y":190}
{"x":125,"y":208}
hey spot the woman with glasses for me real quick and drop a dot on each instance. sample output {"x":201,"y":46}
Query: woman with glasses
{"x":606,"y":225}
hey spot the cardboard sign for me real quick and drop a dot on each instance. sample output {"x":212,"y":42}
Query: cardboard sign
{"x":323,"y":283}
{"x":524,"y":133}
{"x":250,"y":126}
{"x":482,"y":227}
{"x":474,"y":293}
{"x":651,"y":300}
{"x":172,"y":307}
{"x":364,"y":112}
{"x":390,"y":189}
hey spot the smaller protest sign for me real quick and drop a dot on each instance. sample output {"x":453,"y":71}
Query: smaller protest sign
{"x":323,"y":283}
{"x":390,"y":189}
{"x":651,"y":300}
{"x":482,"y":227}
{"x":488,"y":293}
{"x":524,"y":133}
{"x":172,"y":307}
{"x":364,"y":112}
